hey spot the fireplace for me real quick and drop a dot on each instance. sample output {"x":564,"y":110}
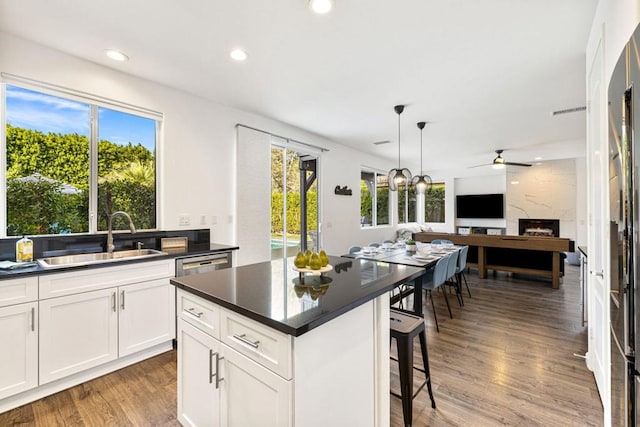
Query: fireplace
{"x":539,"y":227}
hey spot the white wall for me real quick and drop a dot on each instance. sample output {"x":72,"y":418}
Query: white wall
{"x":197,"y":154}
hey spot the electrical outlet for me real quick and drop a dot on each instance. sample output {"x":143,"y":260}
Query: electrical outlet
{"x":214,"y":220}
{"x":203,"y":219}
{"x":230,"y":219}
{"x":184,"y":220}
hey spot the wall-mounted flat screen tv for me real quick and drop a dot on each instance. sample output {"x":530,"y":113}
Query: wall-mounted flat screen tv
{"x":480,"y":206}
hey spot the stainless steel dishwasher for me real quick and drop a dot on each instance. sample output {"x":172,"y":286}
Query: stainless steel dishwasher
{"x":197,"y":264}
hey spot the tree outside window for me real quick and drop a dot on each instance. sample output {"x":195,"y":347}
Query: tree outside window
{"x":48,"y":147}
{"x":434,"y":203}
{"x":374,"y":199}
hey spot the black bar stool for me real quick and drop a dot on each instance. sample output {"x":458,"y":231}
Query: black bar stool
{"x":404,"y":328}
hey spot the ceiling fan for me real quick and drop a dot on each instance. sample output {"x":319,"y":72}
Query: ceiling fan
{"x":499,"y":162}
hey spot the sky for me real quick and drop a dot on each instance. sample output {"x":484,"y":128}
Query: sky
{"x":45,"y":113}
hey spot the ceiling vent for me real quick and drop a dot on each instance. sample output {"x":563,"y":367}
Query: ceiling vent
{"x":381,"y":142}
{"x":569,"y":110}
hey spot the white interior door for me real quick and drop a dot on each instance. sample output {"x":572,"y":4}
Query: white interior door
{"x":598,"y":356}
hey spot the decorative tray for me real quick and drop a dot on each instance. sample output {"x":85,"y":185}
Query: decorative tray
{"x":324,"y":269}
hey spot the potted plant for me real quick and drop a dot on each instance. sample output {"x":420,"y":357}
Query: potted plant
{"x":411,"y":245}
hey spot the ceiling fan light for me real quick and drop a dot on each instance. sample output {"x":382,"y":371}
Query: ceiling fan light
{"x":498,"y":165}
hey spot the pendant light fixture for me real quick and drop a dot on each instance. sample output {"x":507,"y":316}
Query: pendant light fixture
{"x":399,"y":176}
{"x":422,"y":182}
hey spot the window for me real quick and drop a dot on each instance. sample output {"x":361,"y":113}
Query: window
{"x":374,"y":199}
{"x":406,"y":204}
{"x":52,"y":186}
{"x":434,"y":203}
{"x":294,"y":202}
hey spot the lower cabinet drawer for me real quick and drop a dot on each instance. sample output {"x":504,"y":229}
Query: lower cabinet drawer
{"x":18,"y":291}
{"x":199,"y":312}
{"x":268,"y":347}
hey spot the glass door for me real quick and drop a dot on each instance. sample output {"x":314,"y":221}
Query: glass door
{"x":294,"y":202}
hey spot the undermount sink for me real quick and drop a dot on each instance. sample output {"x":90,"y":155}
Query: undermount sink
{"x":97,"y":258}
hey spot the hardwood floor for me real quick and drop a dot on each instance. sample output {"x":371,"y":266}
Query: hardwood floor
{"x":506,"y":358}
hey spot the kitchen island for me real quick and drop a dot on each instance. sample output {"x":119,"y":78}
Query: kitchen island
{"x":263,"y":345}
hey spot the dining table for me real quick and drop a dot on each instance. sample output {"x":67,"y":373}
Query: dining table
{"x":426,"y":256}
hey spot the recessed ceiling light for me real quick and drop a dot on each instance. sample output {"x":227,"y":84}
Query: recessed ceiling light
{"x":116,"y":55}
{"x":538,"y":164}
{"x":515,"y":182}
{"x":321,"y":7}
{"x":238,"y":55}
{"x":538,"y":158}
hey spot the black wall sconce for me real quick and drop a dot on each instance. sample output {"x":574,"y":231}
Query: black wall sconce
{"x":342,"y":191}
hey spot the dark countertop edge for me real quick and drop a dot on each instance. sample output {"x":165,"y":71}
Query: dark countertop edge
{"x":290,"y":330}
{"x":39,"y":270}
{"x":584,"y":251}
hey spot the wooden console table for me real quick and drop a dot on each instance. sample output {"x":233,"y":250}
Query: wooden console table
{"x":533,"y":255}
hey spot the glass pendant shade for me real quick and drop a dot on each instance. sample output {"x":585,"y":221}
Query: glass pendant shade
{"x":399,"y":177}
{"x":422,"y":182}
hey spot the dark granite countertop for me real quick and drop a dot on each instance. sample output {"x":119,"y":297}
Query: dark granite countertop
{"x":272,"y":293}
{"x":38,"y":270}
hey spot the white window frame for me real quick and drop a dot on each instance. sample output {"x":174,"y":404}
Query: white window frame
{"x":94,"y":102}
{"x":374,"y":197}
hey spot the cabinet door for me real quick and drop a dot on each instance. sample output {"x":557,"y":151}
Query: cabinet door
{"x":198,"y":397}
{"x":252,"y":395}
{"x":77,"y":332}
{"x":147,"y":315}
{"x":19,"y":355}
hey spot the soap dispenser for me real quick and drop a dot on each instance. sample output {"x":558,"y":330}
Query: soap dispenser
{"x":24,"y":250}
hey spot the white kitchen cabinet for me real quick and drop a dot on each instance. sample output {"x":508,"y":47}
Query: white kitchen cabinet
{"x":19,"y":355}
{"x":252,"y":395}
{"x":77,"y":332}
{"x":147,"y":315}
{"x":217,"y":386}
{"x":335,"y":374}
{"x":63,"y":328}
{"x":82,"y":330}
{"x":198,"y":397}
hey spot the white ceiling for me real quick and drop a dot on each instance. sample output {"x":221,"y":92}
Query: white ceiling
{"x":484,"y":74}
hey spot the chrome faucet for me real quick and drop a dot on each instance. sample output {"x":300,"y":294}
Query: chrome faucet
{"x":110,"y":245}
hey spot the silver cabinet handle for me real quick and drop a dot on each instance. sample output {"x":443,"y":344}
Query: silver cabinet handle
{"x":597,"y":274}
{"x":218,"y":378}
{"x":254,"y":344}
{"x":122,"y":302}
{"x":33,"y":318}
{"x":211,"y":374}
{"x":215,"y":374}
{"x":192,"y":311}
{"x":113,"y":302}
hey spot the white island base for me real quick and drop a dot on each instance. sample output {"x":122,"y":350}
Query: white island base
{"x":237,"y":372}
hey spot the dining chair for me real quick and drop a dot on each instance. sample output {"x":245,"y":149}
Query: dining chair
{"x":354,"y":249}
{"x":374,"y":245}
{"x":432,"y":280}
{"x":462,"y":264}
{"x":452,"y":278}
{"x":387,"y":241}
